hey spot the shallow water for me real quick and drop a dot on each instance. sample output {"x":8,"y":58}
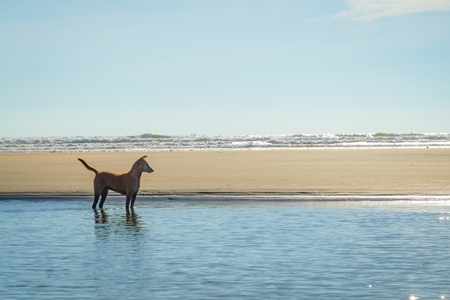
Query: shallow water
{"x":188,"y":249}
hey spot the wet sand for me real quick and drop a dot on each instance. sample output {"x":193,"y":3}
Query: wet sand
{"x":363,"y":172}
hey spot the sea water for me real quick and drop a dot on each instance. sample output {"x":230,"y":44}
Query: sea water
{"x":228,"y":249}
{"x":155,"y":142}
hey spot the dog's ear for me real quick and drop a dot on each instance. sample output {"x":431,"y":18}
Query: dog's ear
{"x":143,"y":157}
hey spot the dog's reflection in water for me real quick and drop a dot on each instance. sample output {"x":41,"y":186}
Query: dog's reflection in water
{"x":101,"y":218}
{"x":117,"y":224}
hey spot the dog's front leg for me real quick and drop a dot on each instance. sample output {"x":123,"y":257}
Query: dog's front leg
{"x":127,"y":204}
{"x":133,"y":198}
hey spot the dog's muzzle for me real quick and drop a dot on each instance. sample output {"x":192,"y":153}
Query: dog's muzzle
{"x":148,"y":169}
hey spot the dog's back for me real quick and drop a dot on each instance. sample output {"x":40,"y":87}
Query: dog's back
{"x":110,"y":180}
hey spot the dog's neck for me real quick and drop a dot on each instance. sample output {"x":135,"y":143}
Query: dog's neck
{"x":135,"y":172}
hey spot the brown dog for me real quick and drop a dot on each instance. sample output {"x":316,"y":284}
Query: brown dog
{"x":126,"y":184}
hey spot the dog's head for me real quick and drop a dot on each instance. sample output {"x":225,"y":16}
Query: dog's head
{"x":144,"y":165}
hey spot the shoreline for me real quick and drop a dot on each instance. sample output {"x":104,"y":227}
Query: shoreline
{"x":237,"y":197}
{"x":317,"y":173}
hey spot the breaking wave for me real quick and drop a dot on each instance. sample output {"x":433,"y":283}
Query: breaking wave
{"x":157,"y":142}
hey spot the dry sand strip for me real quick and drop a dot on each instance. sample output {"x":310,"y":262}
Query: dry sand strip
{"x":243,"y":173}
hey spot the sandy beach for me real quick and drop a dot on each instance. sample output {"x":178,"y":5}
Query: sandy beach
{"x":296,"y":172}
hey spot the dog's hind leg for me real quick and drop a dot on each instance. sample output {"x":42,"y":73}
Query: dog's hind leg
{"x":104,"y":195}
{"x":96,"y":197}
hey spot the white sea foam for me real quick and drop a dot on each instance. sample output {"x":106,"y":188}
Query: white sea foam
{"x":154,"y":142}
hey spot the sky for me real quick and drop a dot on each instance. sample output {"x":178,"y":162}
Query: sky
{"x":109,"y":68}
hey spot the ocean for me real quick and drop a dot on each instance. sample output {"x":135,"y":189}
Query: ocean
{"x":155,"y":142}
{"x":59,"y":248}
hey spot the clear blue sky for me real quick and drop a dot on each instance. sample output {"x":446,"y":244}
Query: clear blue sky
{"x":224,"y":67}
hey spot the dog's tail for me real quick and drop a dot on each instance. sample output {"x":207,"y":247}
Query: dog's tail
{"x":88,"y":167}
